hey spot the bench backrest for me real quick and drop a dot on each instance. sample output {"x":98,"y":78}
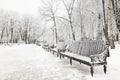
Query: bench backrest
{"x":88,"y":47}
{"x":74,"y":47}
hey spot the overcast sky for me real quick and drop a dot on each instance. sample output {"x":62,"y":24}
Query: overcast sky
{"x":21,"y":6}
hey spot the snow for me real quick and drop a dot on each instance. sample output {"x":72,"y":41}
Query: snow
{"x":78,"y":57}
{"x":31,"y":62}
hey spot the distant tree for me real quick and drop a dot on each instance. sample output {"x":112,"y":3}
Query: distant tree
{"x":14,"y":29}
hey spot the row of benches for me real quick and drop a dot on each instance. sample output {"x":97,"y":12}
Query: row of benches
{"x":92,"y":53}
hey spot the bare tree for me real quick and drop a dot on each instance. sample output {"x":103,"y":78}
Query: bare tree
{"x":48,"y":11}
{"x":69,"y":6}
{"x":5,"y":33}
{"x":27,"y":27}
{"x":81,"y":15}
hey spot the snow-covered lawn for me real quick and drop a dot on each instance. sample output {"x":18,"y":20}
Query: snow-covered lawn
{"x":31,"y":62}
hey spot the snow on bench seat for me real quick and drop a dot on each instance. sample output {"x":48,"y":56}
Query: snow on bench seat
{"x":75,"y":56}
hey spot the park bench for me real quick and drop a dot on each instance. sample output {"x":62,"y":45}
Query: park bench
{"x":60,"y":47}
{"x":91,"y":52}
{"x":46,"y":47}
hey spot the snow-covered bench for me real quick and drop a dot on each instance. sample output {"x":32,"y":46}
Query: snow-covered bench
{"x":92,"y":53}
{"x":46,"y":47}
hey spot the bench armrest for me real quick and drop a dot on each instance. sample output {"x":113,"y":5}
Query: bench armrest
{"x":99,"y":58}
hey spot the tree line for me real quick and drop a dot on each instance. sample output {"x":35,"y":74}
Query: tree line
{"x":63,"y":20}
{"x":15,"y":28}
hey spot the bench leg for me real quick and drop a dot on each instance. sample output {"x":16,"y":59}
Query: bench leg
{"x":80,"y":62}
{"x":105,"y":68}
{"x":53,"y":52}
{"x":60,"y":56}
{"x":57,"y":54}
{"x":91,"y":70}
{"x":70,"y":61}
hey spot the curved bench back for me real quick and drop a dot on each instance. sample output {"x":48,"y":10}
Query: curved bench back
{"x":88,"y":47}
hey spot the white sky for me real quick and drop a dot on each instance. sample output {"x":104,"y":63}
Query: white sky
{"x":21,"y":6}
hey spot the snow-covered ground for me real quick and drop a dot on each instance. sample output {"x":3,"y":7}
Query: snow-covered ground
{"x":31,"y":62}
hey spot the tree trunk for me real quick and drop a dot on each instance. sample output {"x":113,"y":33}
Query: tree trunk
{"x":25,"y":37}
{"x":55,"y":31}
{"x":73,"y":34}
{"x":11,"y":40}
{"x":105,"y":29}
{"x":110,"y":22}
{"x":112,"y":44}
{"x":116,"y":18}
{"x":2,"y":33}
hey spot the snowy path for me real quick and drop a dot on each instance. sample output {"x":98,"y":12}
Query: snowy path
{"x":31,"y":62}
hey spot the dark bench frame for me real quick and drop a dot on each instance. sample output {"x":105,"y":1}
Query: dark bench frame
{"x":91,"y":64}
